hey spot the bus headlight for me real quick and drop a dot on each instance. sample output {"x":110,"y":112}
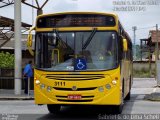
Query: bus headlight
{"x":49,"y":89}
{"x":108,"y":86}
{"x":42,"y":86}
{"x":114,"y":82}
{"x":101,"y":89}
{"x":37,"y":82}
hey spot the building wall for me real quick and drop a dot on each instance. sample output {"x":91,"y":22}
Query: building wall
{"x":143,"y":65}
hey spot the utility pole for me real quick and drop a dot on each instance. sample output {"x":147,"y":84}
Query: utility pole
{"x":17,"y":48}
{"x":134,"y":28}
{"x":157,"y":43}
{"x":157,"y":61}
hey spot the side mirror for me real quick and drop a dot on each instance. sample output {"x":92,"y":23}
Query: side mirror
{"x":125,"y":45}
{"x":29,"y":41}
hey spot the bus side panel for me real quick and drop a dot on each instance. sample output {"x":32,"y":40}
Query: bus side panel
{"x":125,"y":76}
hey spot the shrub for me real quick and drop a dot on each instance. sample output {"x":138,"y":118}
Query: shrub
{"x":143,"y":73}
{"x":6,"y":60}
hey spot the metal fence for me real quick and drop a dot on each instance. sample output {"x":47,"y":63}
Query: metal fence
{"x":7,"y":79}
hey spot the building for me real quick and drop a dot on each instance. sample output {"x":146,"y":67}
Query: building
{"x":7,"y":38}
{"x":149,"y":44}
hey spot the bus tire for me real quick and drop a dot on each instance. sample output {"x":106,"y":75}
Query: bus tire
{"x":54,"y":109}
{"x":118,"y":109}
{"x":128,"y":97}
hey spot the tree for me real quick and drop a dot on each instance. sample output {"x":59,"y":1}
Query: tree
{"x":6,"y":60}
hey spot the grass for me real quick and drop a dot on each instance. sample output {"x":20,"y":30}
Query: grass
{"x":143,"y":73}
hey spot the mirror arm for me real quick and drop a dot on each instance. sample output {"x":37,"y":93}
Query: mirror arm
{"x":30,"y":41}
{"x":32,"y":28}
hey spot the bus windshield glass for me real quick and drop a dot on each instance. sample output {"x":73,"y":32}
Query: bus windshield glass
{"x":76,"y":51}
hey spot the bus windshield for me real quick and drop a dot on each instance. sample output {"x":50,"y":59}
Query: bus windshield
{"x":76,"y":51}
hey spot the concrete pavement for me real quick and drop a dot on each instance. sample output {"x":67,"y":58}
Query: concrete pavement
{"x":148,"y":87}
{"x":6,"y":94}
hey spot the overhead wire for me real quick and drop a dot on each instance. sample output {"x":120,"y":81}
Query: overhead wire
{"x":141,"y":28}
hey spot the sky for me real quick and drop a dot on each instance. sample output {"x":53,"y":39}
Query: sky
{"x":144,"y":14}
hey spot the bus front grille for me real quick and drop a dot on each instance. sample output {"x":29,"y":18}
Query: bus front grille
{"x":78,"y":89}
{"x":74,"y":76}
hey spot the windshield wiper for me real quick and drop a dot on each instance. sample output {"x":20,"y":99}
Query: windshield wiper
{"x":89,"y":38}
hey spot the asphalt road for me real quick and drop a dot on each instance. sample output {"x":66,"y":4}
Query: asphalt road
{"x":137,"y":107}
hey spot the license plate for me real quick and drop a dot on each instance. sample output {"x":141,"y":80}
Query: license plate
{"x":74,"y":97}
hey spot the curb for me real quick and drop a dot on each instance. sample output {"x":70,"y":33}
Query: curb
{"x":16,"y":98}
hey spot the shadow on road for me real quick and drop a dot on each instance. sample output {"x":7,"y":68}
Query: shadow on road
{"x":84,"y":112}
{"x":92,"y":112}
{"x":79,"y":113}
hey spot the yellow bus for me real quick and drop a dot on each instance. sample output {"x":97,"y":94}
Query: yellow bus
{"x":81,"y":58}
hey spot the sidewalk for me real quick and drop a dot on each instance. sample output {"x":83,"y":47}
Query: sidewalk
{"x":6,"y":94}
{"x":147,"y":87}
{"x":154,"y":96}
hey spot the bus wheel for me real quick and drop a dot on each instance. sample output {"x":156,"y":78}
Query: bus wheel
{"x":129,"y":93}
{"x":54,"y":109}
{"x":128,"y":96}
{"x":118,"y":109}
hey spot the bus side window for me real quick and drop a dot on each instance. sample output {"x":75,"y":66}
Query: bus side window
{"x":120,"y":54}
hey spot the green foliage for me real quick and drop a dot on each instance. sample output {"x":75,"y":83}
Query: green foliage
{"x":6,"y":60}
{"x":143,"y":73}
{"x":137,"y":49}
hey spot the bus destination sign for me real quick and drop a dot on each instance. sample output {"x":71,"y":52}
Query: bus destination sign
{"x":76,"y":20}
